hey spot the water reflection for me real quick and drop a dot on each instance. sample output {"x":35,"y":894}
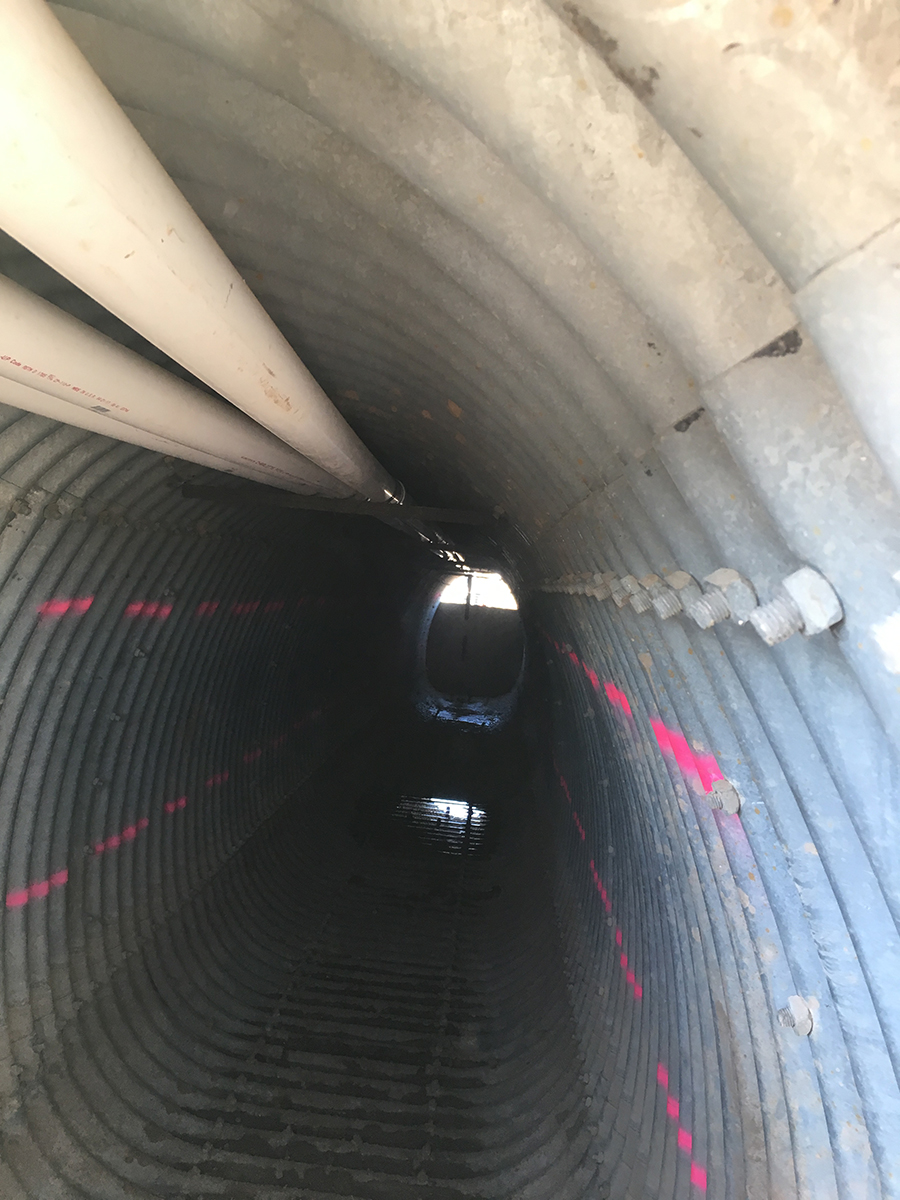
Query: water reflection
{"x":450,"y":826}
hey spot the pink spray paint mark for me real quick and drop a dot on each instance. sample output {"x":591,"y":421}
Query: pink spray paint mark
{"x":617,"y":698}
{"x":684,"y":1136}
{"x":206,"y":608}
{"x":148,"y":609}
{"x":274,"y":606}
{"x":128,"y":834}
{"x":244,"y":609}
{"x":699,"y":769}
{"x":252,"y":755}
{"x":59,"y":607}
{"x":173,"y":805}
{"x":592,"y":676}
{"x":37,"y":891}
{"x":215,"y":780}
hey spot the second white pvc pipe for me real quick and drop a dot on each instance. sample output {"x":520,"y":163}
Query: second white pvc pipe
{"x":81,"y":189}
{"x":53,"y":364}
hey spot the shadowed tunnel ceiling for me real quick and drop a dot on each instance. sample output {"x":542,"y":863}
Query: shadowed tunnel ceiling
{"x":623,"y":278}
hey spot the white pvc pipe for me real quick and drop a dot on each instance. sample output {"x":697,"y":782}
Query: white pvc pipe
{"x":81,"y":189}
{"x":53,"y":364}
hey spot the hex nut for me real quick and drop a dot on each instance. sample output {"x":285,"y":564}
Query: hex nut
{"x":686,"y":586}
{"x":804,"y":602}
{"x":637,"y":597}
{"x":796,"y":1015}
{"x":602,"y":581}
{"x":816,"y":598}
{"x":725,"y":797}
{"x":665,"y":600}
{"x":738,"y":591}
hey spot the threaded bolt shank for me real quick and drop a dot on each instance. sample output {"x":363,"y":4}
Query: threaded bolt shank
{"x":777,"y":620}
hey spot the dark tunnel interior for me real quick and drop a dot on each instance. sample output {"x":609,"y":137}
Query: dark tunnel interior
{"x":317,"y":888}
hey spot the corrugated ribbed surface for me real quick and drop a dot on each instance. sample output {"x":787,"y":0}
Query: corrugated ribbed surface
{"x":483,"y":325}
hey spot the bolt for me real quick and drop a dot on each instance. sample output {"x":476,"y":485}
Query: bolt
{"x":739,"y":592}
{"x":711,"y":608}
{"x":641,"y":603}
{"x":728,"y":594}
{"x":778,"y":620}
{"x":666,"y":602}
{"x":686,"y":586}
{"x":805,"y":602}
{"x":627,"y":590}
{"x":724,"y":796}
{"x":796,"y":1015}
{"x":601,"y":585}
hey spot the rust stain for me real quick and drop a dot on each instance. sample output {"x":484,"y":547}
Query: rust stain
{"x":454,"y":409}
{"x":349,"y":394}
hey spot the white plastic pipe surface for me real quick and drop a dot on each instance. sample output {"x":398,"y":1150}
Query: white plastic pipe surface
{"x":81,"y":189}
{"x":53,"y":364}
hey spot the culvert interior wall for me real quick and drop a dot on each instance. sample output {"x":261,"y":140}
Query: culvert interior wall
{"x":517,"y":251}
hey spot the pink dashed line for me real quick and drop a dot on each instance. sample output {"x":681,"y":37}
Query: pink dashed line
{"x":245,"y":609}
{"x":173,"y":805}
{"x":698,"y":768}
{"x":617,"y":698}
{"x":252,"y":755}
{"x":685,"y":1138}
{"x":214,"y":780}
{"x":148,"y":608}
{"x":274,"y":606}
{"x":128,"y":834}
{"x":59,"y":607}
{"x":278,"y":741}
{"x":37,"y":891}
{"x":630,"y":977}
{"x":206,"y":608}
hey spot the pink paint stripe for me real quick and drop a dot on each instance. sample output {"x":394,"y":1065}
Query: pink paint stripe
{"x":697,"y":768}
{"x":173,"y":805}
{"x":148,"y":608}
{"x":253,"y":755}
{"x":617,"y":698}
{"x":59,"y":607}
{"x":206,"y":608}
{"x":684,"y":1136}
{"x":215,"y":780}
{"x":128,"y":834}
{"x":245,"y":609}
{"x":37,"y":891}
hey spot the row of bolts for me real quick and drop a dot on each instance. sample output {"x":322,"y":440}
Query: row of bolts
{"x":804,"y":602}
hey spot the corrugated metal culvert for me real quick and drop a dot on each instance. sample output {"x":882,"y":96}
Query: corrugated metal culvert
{"x":623,"y":275}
